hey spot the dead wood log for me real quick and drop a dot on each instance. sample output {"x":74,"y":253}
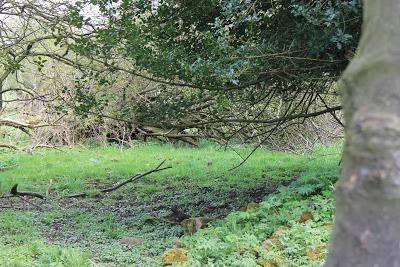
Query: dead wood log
{"x":129,"y":180}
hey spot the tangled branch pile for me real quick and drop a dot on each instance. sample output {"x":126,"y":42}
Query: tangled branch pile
{"x":246,"y":70}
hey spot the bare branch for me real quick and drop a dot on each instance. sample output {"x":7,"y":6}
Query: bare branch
{"x":131,"y":179}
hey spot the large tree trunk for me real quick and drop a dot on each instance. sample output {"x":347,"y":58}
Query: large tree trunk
{"x":367,"y":223}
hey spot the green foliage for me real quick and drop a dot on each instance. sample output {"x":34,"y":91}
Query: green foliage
{"x":327,"y":14}
{"x":232,"y":41}
{"x":69,"y":232}
{"x":260,"y":59}
{"x":322,"y":175}
{"x":238,"y":239}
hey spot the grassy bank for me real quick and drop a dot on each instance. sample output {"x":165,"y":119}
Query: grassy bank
{"x":132,"y":226}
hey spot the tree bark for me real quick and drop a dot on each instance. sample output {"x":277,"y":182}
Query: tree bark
{"x":1,"y":96}
{"x":367,"y":222}
{"x":3,"y":77}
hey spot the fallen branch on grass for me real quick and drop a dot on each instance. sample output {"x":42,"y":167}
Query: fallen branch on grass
{"x":22,"y":195}
{"x":120,"y":184}
{"x":14,"y":192}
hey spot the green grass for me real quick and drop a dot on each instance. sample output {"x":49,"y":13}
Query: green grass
{"x":88,"y":231}
{"x":22,"y":245}
{"x":73,"y":168}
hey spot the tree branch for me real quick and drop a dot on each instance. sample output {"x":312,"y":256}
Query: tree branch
{"x":129,"y":180}
{"x":14,"y":191}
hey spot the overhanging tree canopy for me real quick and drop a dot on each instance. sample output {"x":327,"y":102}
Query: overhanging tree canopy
{"x":237,"y":57}
{"x":227,"y":45}
{"x":222,"y":67}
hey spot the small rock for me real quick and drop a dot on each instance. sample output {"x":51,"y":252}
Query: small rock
{"x":127,"y":240}
{"x":175,"y":255}
{"x":306,"y":216}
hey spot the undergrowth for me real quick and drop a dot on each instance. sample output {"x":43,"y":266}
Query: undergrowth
{"x":90,"y":232}
{"x":271,"y":235}
{"x":291,"y":227}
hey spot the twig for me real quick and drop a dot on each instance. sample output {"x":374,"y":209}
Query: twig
{"x":131,"y":179}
